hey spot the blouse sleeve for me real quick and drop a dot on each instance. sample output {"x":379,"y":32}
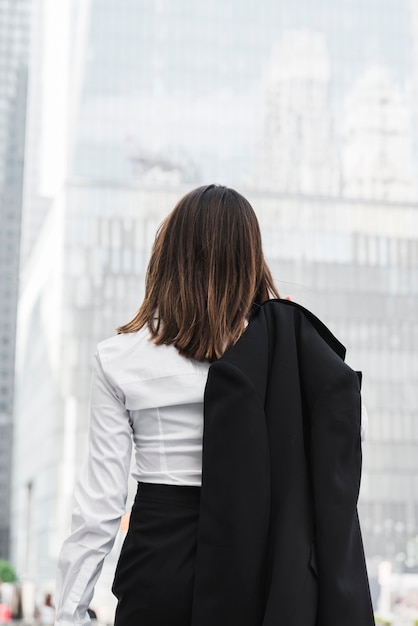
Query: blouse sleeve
{"x":100,"y":500}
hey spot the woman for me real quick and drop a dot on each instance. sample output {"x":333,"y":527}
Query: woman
{"x":206,"y":548}
{"x":46,"y":612}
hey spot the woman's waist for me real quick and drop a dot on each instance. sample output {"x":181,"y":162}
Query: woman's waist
{"x":186,"y":475}
{"x":168,"y":465}
{"x":168,"y":493}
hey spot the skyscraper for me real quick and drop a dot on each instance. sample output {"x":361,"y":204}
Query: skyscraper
{"x":377,"y":159}
{"x":299,"y":149}
{"x":13,"y":80}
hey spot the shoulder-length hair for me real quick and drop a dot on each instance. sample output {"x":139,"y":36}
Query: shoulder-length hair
{"x":207,"y":270}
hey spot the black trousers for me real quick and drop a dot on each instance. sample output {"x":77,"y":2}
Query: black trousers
{"x":155,"y":572}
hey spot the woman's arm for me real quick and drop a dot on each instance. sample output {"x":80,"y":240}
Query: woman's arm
{"x":100,"y":499}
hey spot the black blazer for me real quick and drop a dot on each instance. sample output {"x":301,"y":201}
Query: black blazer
{"x":279,"y":540}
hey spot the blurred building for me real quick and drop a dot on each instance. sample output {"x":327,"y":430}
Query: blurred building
{"x":13,"y":79}
{"x":133,"y":103}
{"x":299,"y":148}
{"x":377,"y":159}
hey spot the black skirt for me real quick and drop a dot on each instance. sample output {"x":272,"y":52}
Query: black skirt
{"x":155,"y":572}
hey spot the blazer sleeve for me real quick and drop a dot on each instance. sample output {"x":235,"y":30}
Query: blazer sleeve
{"x":336,"y":459}
{"x":234,"y":503}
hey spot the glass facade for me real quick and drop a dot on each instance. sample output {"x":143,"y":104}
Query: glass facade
{"x":239,"y":92}
{"x":310,"y":111}
{"x":13,"y":79}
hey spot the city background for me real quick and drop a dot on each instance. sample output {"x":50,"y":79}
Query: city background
{"x":109,"y":112}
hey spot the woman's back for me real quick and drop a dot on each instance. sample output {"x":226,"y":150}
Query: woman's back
{"x":163,"y":394}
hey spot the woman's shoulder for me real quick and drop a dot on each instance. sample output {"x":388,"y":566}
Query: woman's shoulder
{"x":134,"y":356}
{"x":123,"y":343}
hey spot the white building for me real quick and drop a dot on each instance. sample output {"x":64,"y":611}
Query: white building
{"x":377,"y":139}
{"x":298,"y":151}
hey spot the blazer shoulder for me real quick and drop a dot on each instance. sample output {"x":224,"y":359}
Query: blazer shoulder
{"x":280,"y":311}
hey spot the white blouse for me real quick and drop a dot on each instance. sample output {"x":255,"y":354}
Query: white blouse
{"x":143,"y":394}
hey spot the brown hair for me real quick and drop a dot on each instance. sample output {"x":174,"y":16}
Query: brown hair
{"x":206,"y":271}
